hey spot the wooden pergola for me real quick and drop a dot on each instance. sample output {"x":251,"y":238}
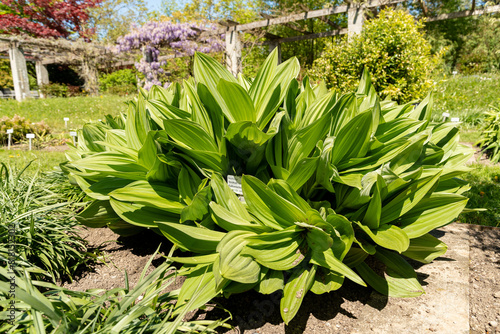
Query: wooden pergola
{"x":90,"y":56}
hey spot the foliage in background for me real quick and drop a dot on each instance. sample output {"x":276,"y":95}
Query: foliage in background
{"x":392,"y":48}
{"x":330,"y":182}
{"x":481,"y":50}
{"x":146,"y":308}
{"x":484,"y":192}
{"x":52,"y":111}
{"x":5,"y":74}
{"x":120,"y":82}
{"x":466,"y":96}
{"x":490,"y":136}
{"x":21,"y":126}
{"x":41,"y":209}
{"x":46,"y":18}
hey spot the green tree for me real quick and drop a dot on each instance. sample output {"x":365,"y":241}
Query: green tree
{"x":391,"y":47}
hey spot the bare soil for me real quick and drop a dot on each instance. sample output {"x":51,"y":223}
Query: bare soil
{"x":336,"y":312}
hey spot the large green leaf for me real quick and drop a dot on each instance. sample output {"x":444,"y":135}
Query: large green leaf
{"x":191,"y":238}
{"x":239,"y":105}
{"x":295,"y":289}
{"x":425,"y":248}
{"x":388,"y":236}
{"x":233,"y":266}
{"x":432,"y":212}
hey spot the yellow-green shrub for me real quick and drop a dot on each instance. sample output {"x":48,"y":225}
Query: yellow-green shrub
{"x":393,"y":49}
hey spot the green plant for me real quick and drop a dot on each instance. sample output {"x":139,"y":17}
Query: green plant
{"x":480,"y":50}
{"x":21,"y":127}
{"x":55,"y":89}
{"x":330,"y":182}
{"x":146,"y":308}
{"x":121,"y":81}
{"x":391,"y":47}
{"x":5,"y":74}
{"x":39,"y":212}
{"x":490,"y":138}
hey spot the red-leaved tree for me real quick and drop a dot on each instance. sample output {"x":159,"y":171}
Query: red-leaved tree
{"x":46,"y":18}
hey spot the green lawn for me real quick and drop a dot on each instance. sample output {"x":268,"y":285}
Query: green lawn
{"x":53,"y":110}
{"x":43,"y":161}
{"x":466,"y":97}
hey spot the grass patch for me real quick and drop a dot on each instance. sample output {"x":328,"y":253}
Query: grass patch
{"x":484,"y":193}
{"x":44,"y":161}
{"x":80,"y":110}
{"x":466,"y":97}
{"x":470,"y":136}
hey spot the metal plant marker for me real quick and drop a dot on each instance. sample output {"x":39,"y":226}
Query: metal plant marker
{"x":73,"y":134}
{"x":30,"y":136}
{"x":9,"y":133}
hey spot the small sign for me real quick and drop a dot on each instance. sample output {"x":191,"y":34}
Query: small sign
{"x":10,"y":131}
{"x":234,"y":183}
{"x":455,"y":119}
{"x":30,"y":135}
{"x":72,"y":133}
{"x":99,"y":120}
{"x":446,"y":114}
{"x":66,"y":119}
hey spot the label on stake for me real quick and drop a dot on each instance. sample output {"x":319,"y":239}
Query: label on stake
{"x":72,"y":133}
{"x":10,"y":131}
{"x":66,"y":119}
{"x":446,"y":114}
{"x":234,"y":183}
{"x":30,"y":135}
{"x":455,"y":119}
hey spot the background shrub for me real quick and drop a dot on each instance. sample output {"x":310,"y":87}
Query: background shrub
{"x":481,"y":50}
{"x":393,"y":49}
{"x":55,"y":89}
{"x":120,"y":82}
{"x":21,"y":127}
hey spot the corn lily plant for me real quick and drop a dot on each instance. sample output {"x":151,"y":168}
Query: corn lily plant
{"x":327,"y":182}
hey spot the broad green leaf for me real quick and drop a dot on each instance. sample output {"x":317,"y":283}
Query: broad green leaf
{"x":141,"y":215}
{"x":294,"y":291}
{"x":198,"y":208}
{"x":372,"y":215}
{"x":407,"y":199}
{"x":270,"y":208}
{"x":432,"y":212}
{"x":190,"y":135}
{"x":302,"y":172}
{"x":326,"y":281}
{"x":112,"y":164}
{"x":201,"y":259}
{"x":239,"y":105}
{"x":150,"y":194}
{"x":425,"y":248}
{"x":97,"y":214}
{"x":272,"y":282}
{"x":230,"y":221}
{"x":388,"y":236}
{"x":199,"y":115}
{"x":227,"y":199}
{"x":191,"y":238}
{"x":233,"y":266}
{"x":400,"y":278}
{"x":327,"y":260}
{"x":353,"y":139}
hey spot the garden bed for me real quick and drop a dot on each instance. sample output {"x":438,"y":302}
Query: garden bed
{"x":460,"y":290}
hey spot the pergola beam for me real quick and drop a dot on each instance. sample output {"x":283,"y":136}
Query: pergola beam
{"x":465,"y":13}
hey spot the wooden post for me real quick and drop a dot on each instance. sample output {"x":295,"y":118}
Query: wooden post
{"x":42,"y":75}
{"x":19,"y":72}
{"x":272,"y":46}
{"x":233,"y":52}
{"x":355,"y":19}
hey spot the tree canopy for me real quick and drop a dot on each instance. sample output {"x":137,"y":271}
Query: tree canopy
{"x":46,"y":18}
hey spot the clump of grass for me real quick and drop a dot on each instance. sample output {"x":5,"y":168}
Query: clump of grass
{"x":42,"y":161}
{"x":39,"y":211}
{"x":484,"y":193}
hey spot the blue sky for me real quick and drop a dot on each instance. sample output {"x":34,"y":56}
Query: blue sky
{"x":154,"y":4}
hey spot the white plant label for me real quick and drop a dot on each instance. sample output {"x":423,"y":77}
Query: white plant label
{"x":10,"y":131}
{"x":66,"y":119}
{"x":234,"y":183}
{"x":30,"y":135}
{"x":72,"y":134}
{"x":446,"y":114}
{"x":455,"y":119}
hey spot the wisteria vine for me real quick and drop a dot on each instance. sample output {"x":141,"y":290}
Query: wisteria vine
{"x":151,"y":36}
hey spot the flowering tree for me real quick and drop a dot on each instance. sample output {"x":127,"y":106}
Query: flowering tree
{"x":46,"y":18}
{"x":182,"y":38}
